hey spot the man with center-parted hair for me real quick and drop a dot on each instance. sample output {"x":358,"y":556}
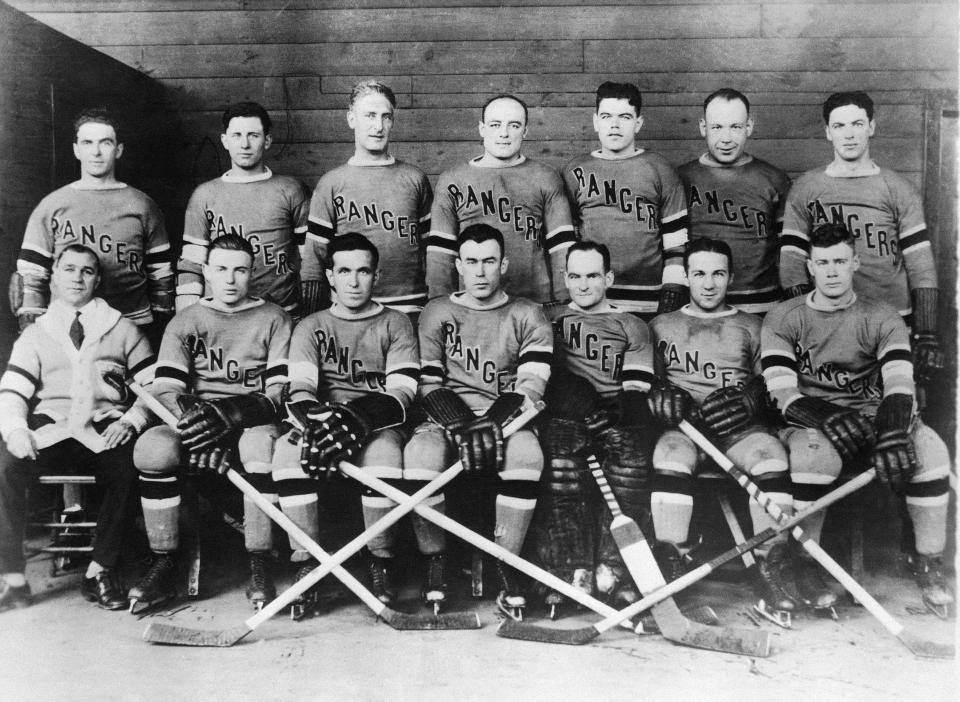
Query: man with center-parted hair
{"x":221,"y":370}
{"x":385,"y":199}
{"x":521,"y":198}
{"x":251,"y":201}
{"x":737,"y":198}
{"x":484,"y":356}
{"x":631,"y":200}
{"x":354,"y":371}
{"x":838,"y":366}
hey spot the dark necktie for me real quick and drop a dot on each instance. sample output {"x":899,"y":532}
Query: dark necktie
{"x":76,"y":331}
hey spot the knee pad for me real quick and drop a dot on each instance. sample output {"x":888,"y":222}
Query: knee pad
{"x":157,"y":451}
{"x":759,"y":454}
{"x":383,"y":457}
{"x":286,"y":458}
{"x":255,"y":447}
{"x":428,"y":452}
{"x":813,"y":459}
{"x":675,"y":452}
{"x":523,"y":457}
{"x":933,"y":458}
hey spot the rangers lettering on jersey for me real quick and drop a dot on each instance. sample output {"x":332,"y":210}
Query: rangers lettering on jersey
{"x":645,"y":211}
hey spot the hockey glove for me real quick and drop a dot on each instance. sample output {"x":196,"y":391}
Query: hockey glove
{"x":848,"y":430}
{"x":480,"y":439}
{"x":670,"y":404}
{"x":216,"y":458}
{"x":928,"y":357}
{"x":893,"y":457}
{"x":672,"y":297}
{"x":729,"y":410}
{"x":209,"y":422}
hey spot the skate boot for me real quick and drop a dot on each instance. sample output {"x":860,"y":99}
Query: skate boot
{"x":768,"y":577}
{"x":156,"y":586}
{"x":14,"y":596}
{"x":672,"y":562}
{"x":609,"y":577}
{"x":434,"y":592}
{"x":511,"y":600}
{"x":927,"y":571}
{"x":261,"y":589}
{"x":582,"y":579}
{"x":382,"y":579}
{"x":811,"y":589}
{"x":307,"y":602}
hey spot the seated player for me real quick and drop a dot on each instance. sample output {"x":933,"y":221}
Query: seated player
{"x":221,"y":369}
{"x":708,"y":357}
{"x":839,"y":367}
{"x":484,"y":356}
{"x":354,"y":370}
{"x":63,"y":403}
{"x":608,"y":350}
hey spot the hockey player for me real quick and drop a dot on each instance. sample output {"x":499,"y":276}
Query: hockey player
{"x":386,"y":200}
{"x":63,"y":402}
{"x":885,"y":215}
{"x":354,"y":371}
{"x":609,"y":350}
{"x":121,"y":224}
{"x":484,"y":355}
{"x":631,"y":200}
{"x":521,"y":198}
{"x":708,"y":358}
{"x":268,"y":210}
{"x":221,"y":369}
{"x":738,"y":198}
{"x":838,"y":366}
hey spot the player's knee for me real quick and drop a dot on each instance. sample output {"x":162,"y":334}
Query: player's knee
{"x":256,"y":448}
{"x":382,"y":457}
{"x":760,"y":454}
{"x":674,"y":453}
{"x":286,"y":458}
{"x":157,"y":451}
{"x":812,"y":458}
{"x":933,"y":458}
{"x":428,"y":450}
{"x":523,"y":457}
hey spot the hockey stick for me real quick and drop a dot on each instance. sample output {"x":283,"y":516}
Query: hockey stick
{"x":917,"y":645}
{"x":158,"y":632}
{"x":577,"y":637}
{"x":646,"y":574}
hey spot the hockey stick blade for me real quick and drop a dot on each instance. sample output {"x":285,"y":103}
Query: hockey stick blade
{"x":175,"y":635}
{"x":916,"y":644}
{"x":577,"y":637}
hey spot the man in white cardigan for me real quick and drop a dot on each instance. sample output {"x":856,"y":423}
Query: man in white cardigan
{"x":64,"y":407}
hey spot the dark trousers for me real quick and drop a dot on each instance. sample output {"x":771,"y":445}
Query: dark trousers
{"x":113,"y":470}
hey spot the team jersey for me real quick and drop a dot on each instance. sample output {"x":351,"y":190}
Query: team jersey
{"x":389,"y":203}
{"x":525,"y":202}
{"x":702,"y":352}
{"x":611,"y":348}
{"x":636,"y":207}
{"x":885,"y":215}
{"x":853,"y":356}
{"x":213,"y":352}
{"x":270,"y":211}
{"x":482,"y":352}
{"x":126,"y":230}
{"x":336,"y":356}
{"x":741,"y":204}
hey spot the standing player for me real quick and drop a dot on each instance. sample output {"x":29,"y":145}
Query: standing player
{"x":354,"y":370}
{"x":737,"y":198}
{"x":883,"y":212}
{"x":121,"y":224}
{"x":521,"y":198}
{"x":631,"y":200}
{"x":604,"y":357}
{"x":63,"y":404}
{"x":708,"y":357}
{"x":484,"y":355}
{"x":386,"y":200}
{"x":221,"y":369}
{"x":249,"y":200}
{"x":838,"y":366}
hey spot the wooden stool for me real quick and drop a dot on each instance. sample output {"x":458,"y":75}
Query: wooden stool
{"x":60,"y":527}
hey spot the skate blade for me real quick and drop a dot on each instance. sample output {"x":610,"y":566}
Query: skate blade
{"x":511,"y":612}
{"x":778,"y":617}
{"x":141,"y":608}
{"x":554,"y":612}
{"x":942,"y":612}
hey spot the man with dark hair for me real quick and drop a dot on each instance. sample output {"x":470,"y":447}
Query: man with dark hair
{"x":737,"y":197}
{"x":631,"y":200}
{"x":838,"y":366}
{"x":378,"y":196}
{"x":121,"y":224}
{"x":221,"y":370}
{"x":484,"y":355}
{"x":520,"y":197}
{"x":249,"y":200}
{"x":64,"y":407}
{"x":883,"y":212}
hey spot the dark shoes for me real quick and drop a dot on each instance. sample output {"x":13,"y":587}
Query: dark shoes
{"x":13,"y":597}
{"x":104,"y":589}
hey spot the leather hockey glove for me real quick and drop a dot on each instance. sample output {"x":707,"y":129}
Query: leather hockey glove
{"x":217,"y":457}
{"x":672,"y":297}
{"x":670,"y":404}
{"x":928,"y":357}
{"x":848,"y":430}
{"x":729,"y":410}
{"x":206,"y":423}
{"x":894,"y":457}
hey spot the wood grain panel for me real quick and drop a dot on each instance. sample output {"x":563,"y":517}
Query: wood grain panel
{"x":902,"y":19}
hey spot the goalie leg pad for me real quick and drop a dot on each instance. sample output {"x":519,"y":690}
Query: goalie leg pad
{"x":928,"y":492}
{"x":156,"y":456}
{"x":627,"y":466}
